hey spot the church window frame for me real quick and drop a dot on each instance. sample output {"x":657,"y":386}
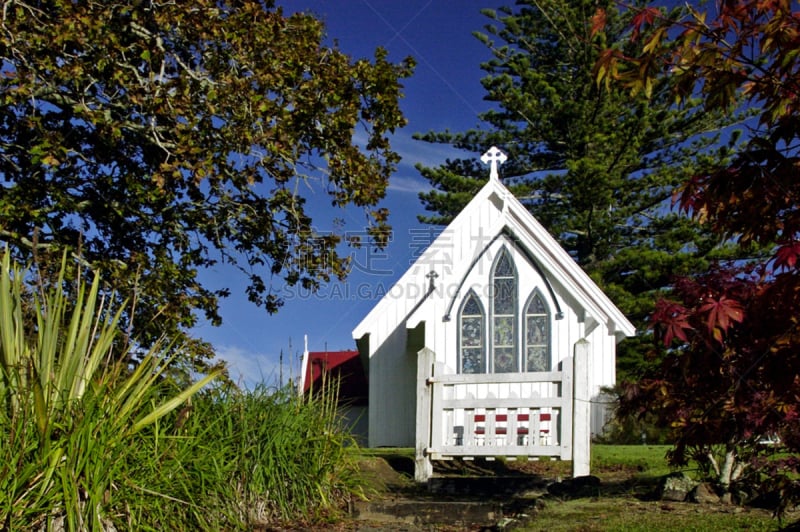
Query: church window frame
{"x":471,"y":318}
{"x":537,"y":335}
{"x":504,"y":315}
{"x":515,"y":334}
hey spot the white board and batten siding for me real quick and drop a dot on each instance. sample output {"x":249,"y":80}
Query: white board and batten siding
{"x":413,"y":316}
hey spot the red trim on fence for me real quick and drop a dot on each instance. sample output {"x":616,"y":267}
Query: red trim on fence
{"x":503,"y":418}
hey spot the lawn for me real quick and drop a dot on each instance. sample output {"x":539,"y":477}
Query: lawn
{"x":623,"y":501}
{"x":628,"y":513}
{"x":628,"y":475}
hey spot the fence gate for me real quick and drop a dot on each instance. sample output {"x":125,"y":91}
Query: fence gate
{"x":542,"y":414}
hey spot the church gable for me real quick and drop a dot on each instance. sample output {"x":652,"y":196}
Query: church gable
{"x":495,"y":215}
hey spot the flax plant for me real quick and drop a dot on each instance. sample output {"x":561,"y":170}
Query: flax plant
{"x":74,"y":406}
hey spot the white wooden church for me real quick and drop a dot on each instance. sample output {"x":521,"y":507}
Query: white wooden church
{"x":493,"y":343}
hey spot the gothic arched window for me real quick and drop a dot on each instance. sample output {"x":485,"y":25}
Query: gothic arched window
{"x":537,"y":334}
{"x":504,"y":315}
{"x":472,"y":347}
{"x":497,"y":332}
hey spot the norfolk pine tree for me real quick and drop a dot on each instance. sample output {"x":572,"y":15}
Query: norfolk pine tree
{"x":155,"y":139}
{"x":596,"y":166}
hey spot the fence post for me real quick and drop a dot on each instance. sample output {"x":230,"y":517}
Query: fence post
{"x":565,"y":418}
{"x":581,"y":411}
{"x":423,"y":468}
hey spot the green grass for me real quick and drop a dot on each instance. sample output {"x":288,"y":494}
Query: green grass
{"x":628,"y":473}
{"x":401,"y":452}
{"x":242,"y":460}
{"x":648,"y":459}
{"x":621,"y":513}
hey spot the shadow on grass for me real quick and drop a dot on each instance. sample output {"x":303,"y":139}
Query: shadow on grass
{"x":503,"y":479}
{"x":542,"y":494}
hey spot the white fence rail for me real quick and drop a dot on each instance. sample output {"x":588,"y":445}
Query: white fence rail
{"x":543,"y":414}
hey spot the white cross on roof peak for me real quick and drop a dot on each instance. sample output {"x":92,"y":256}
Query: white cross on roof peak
{"x":494,"y":157}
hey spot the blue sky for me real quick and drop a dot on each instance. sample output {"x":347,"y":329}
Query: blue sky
{"x":444,"y":93}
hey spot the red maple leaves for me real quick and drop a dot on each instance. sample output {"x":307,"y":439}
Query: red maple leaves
{"x":644,"y":17}
{"x":673,"y":319}
{"x":786,"y":256}
{"x":721,"y":313}
{"x":712,"y":304}
{"x":729,"y":339}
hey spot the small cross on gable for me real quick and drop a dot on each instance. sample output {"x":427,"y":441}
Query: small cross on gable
{"x":494,"y":157}
{"x":432,"y":275}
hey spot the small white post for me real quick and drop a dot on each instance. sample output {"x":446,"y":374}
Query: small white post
{"x":304,"y":367}
{"x":581,"y":430}
{"x":565,"y":418}
{"x":423,"y":468}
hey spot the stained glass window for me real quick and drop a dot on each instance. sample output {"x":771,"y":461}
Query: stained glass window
{"x":537,"y":335}
{"x":471,"y":336}
{"x":504,"y":266}
{"x":512,"y":337}
{"x":504,"y":295}
{"x":504,"y":316}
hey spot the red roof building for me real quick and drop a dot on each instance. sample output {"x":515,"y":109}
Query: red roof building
{"x":346,"y":368}
{"x":343,"y":366}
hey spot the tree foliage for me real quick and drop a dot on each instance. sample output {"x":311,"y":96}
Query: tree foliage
{"x":596,"y":166}
{"x":155,"y":139}
{"x":731,"y":336}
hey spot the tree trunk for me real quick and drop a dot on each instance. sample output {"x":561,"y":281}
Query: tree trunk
{"x":729,"y":465}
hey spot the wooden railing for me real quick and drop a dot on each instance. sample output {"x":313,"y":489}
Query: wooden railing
{"x":541,"y":414}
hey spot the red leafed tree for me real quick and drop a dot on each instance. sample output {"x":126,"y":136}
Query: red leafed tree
{"x":730,"y":338}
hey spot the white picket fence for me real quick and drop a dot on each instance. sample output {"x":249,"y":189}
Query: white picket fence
{"x":533,"y":415}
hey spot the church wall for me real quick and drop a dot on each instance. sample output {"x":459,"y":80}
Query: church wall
{"x":392,"y":392}
{"x":602,"y":356}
